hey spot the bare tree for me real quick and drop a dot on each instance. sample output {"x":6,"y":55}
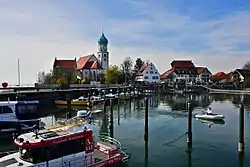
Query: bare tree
{"x":126,"y":67}
{"x":247,"y":65}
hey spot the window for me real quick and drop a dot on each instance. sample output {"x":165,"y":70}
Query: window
{"x":147,"y":72}
{"x":5,"y":109}
{"x":38,"y":155}
{"x":151,"y":72}
{"x":155,"y":72}
{"x":146,"y":77}
{"x":104,"y":59}
{"x":104,"y":55}
{"x":153,"y":77}
{"x":156,"y":77}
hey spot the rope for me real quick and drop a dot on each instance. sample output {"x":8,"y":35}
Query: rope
{"x":174,"y":140}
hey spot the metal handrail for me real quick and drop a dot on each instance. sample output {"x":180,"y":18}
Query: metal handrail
{"x":110,"y":140}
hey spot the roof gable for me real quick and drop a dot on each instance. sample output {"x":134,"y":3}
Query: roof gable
{"x":83,"y":62}
{"x":244,"y":72}
{"x":220,"y":75}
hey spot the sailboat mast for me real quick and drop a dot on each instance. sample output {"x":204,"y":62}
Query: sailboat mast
{"x":18,"y":68}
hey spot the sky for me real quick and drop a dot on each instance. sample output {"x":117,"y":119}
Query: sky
{"x":212,"y":33}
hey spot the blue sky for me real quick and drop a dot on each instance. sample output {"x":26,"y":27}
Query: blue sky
{"x":212,"y":33}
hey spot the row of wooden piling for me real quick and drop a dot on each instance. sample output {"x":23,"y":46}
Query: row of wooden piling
{"x":189,"y":132}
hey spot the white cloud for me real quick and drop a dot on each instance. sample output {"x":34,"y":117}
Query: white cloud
{"x":38,"y":31}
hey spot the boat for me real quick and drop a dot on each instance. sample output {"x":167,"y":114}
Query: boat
{"x":64,"y":148}
{"x":210,"y":116}
{"x":110,"y":96}
{"x":81,"y":101}
{"x":83,"y":113}
{"x":97,"y":100}
{"x":17,"y":116}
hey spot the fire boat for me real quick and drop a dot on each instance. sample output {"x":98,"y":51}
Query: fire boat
{"x":61,"y":148}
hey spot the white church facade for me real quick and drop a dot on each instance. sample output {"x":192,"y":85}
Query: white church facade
{"x":93,"y":67}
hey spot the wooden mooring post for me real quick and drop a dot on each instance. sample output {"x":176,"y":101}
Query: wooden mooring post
{"x":111,"y":126}
{"x":241,"y":143}
{"x":189,"y":132}
{"x":68,"y":110}
{"x":146,"y":133}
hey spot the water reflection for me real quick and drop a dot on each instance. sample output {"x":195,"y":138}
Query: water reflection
{"x":210,"y":123}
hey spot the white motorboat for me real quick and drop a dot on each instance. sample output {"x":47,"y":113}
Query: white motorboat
{"x":18,"y":115}
{"x":83,"y":113}
{"x":210,"y":116}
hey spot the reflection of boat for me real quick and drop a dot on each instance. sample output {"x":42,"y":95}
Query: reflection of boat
{"x":210,"y":116}
{"x":64,"y":148}
{"x":81,"y":101}
{"x":220,"y":122}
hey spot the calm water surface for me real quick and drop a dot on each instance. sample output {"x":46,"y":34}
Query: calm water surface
{"x":214,"y":144}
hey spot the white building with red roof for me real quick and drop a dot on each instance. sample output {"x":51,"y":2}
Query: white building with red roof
{"x":148,"y":73}
{"x":183,"y":71}
{"x":91,"y":66}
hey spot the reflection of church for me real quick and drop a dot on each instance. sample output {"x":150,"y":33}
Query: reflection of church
{"x":92,"y":67}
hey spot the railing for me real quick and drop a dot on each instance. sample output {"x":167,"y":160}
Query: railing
{"x":110,"y":140}
{"x":105,"y":138}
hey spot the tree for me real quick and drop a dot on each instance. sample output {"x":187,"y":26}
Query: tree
{"x":138,"y":64}
{"x":113,"y":74}
{"x":126,"y":67}
{"x":45,"y":78}
{"x":247,"y":65}
{"x":64,"y":75}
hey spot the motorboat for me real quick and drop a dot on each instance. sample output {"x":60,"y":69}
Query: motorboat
{"x":110,"y":96}
{"x":97,"y":100}
{"x":210,"y":116}
{"x":64,"y":148}
{"x":17,"y":116}
{"x":81,"y":101}
{"x":83,"y":113}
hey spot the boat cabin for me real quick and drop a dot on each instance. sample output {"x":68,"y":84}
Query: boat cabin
{"x":46,"y":145}
{"x":21,"y":110}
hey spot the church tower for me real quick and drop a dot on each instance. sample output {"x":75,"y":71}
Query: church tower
{"x":103,"y":54}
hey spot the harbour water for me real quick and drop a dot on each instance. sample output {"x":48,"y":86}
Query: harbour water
{"x":214,"y":144}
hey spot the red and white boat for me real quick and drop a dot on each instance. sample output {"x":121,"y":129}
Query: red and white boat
{"x":48,"y":148}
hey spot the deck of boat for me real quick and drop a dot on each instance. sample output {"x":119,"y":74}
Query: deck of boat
{"x":99,"y":156}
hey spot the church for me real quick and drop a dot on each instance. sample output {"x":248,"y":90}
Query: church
{"x":93,"y":67}
{"x":89,"y":67}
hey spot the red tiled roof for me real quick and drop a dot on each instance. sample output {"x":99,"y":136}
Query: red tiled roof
{"x":220,"y":75}
{"x":92,"y":65}
{"x":182,"y":64}
{"x":200,"y":70}
{"x":82,"y":61}
{"x":70,"y":64}
{"x":96,"y":65}
{"x":166,"y":74}
{"x":142,"y":69}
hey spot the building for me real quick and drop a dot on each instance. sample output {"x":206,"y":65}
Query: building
{"x":242,"y":77}
{"x":93,"y":67}
{"x":148,"y":73}
{"x":220,"y":77}
{"x":65,"y":69}
{"x":181,"y":71}
{"x":204,"y":75}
